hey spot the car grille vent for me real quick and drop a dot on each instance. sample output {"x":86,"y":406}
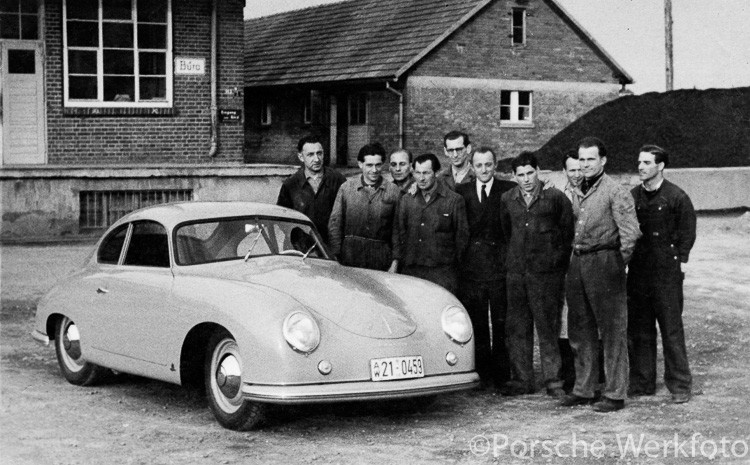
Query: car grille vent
{"x":100,"y":209}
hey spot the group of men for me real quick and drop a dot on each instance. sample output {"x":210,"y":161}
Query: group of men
{"x":524,"y":254}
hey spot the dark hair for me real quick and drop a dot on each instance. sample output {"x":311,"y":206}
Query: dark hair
{"x":308,"y":139}
{"x":571,"y":153}
{"x":484,"y":149}
{"x":407,"y":152}
{"x":453,"y":135}
{"x":427,"y":157}
{"x":523,"y":159}
{"x":371,"y":149}
{"x":588,"y":142}
{"x":660,"y":155}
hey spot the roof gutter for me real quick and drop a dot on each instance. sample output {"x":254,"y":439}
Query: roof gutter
{"x":400,"y":113}
{"x":214,"y":139}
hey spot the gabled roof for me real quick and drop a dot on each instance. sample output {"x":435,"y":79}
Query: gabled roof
{"x":359,"y":40}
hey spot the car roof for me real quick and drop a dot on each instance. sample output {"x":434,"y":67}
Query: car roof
{"x":172,"y":214}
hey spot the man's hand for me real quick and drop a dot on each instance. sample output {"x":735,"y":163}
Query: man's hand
{"x":412,"y":189}
{"x":547,"y":183}
{"x":394,"y":267}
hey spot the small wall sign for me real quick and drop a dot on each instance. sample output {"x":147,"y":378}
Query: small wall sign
{"x":184,"y":65}
{"x":230,"y":116}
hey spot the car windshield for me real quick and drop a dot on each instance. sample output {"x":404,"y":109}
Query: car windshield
{"x":245,"y":238}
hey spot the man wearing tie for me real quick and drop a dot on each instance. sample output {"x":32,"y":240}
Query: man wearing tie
{"x":482,"y":271}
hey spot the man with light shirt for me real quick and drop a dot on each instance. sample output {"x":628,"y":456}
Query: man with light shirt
{"x":361,"y":228}
{"x":432,"y":228}
{"x":482,"y":272}
{"x":667,"y":220}
{"x":400,"y":168}
{"x":606,"y":230}
{"x":312,"y":190}
{"x":457,"y":148}
{"x":539,"y":226}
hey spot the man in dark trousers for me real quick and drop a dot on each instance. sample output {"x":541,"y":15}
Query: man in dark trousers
{"x":482,"y":271}
{"x":539,"y":227}
{"x":667,"y":221}
{"x":606,"y":230}
{"x":432,"y":228}
{"x":312,"y":190}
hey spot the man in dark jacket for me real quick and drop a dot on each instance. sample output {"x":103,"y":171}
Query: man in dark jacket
{"x":432,"y":227}
{"x":667,"y":220}
{"x":312,"y":190}
{"x":482,"y":272}
{"x":539,"y":227}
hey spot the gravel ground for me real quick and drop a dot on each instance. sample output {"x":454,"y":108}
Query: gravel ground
{"x":132,"y":420}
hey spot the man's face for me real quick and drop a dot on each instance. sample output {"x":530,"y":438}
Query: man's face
{"x":399,"y":166}
{"x":647,"y":167}
{"x":457,"y":151}
{"x":484,"y":166}
{"x":591,"y":163}
{"x":312,"y":156}
{"x":526,"y":177}
{"x":371,"y":168}
{"x":573,"y":171}
{"x":425,"y":175}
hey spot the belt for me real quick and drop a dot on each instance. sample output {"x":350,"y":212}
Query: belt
{"x":578,"y":252}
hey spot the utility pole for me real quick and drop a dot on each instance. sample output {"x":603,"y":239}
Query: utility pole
{"x":668,"y":43}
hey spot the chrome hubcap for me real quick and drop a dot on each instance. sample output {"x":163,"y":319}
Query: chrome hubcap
{"x":72,"y":342}
{"x":229,"y":376}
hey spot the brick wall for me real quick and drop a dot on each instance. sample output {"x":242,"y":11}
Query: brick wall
{"x":179,"y":138}
{"x":482,"y":48}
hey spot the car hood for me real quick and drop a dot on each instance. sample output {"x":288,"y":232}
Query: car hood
{"x":359,"y":301}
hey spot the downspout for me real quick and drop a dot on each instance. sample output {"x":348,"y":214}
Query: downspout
{"x":214,"y":145}
{"x":400,"y":113}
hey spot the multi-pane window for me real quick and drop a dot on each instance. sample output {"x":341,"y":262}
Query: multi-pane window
{"x":518,"y":26}
{"x":117,"y":52}
{"x":265,"y":113}
{"x":515,"y":106}
{"x":307,"y":110}
{"x":19,"y":19}
{"x":358,"y":109}
{"x":314,"y":108}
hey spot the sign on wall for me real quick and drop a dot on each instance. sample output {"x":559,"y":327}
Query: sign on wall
{"x":230,"y":116}
{"x":183,"y":65}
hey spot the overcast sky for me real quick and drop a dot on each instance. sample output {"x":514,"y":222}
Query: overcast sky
{"x":711,"y":39}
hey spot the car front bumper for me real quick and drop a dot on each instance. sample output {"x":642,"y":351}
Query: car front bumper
{"x":360,"y":390}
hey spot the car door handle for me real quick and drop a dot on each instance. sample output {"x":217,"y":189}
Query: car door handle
{"x":101,"y":290}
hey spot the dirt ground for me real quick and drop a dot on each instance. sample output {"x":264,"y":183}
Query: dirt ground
{"x":131,"y":420}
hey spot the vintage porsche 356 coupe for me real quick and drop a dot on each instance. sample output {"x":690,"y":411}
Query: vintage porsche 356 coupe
{"x":245,"y":298}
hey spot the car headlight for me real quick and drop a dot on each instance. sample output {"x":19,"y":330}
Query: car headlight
{"x":456,"y":324}
{"x":301,"y":332}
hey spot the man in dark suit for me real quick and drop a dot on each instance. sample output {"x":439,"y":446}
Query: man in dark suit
{"x":482,"y":271}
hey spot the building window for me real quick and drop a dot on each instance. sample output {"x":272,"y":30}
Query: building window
{"x":307,"y":105}
{"x":265,"y":113}
{"x":117,"y":53}
{"x":518,"y":26}
{"x":358,"y":109}
{"x":19,"y":19}
{"x":515,"y":106}
{"x":100,"y":209}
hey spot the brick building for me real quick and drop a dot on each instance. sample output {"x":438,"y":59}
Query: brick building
{"x":511,"y":73}
{"x":110,"y":105}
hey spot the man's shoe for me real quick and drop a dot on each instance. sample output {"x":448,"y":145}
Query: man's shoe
{"x":607,"y":405}
{"x":680,"y":398}
{"x":640,"y":392}
{"x":571,"y":400}
{"x":557,"y":393}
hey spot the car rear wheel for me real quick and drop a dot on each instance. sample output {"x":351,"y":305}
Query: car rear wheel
{"x":68,"y":348}
{"x":223,"y":372}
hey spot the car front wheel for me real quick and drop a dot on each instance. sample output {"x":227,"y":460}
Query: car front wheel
{"x":223,"y":372}
{"x":68,"y":348}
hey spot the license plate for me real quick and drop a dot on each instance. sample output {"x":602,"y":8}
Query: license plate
{"x":386,"y":369}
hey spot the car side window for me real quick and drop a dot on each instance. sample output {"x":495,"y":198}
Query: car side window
{"x":109,"y":251}
{"x":148,"y":245}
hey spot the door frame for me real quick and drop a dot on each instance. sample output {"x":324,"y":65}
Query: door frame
{"x":38,"y":47}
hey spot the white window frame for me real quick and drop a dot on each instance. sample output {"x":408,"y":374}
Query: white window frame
{"x":515,"y":106}
{"x":307,"y":108}
{"x":99,"y":102}
{"x":266,"y":113}
{"x":514,"y":26}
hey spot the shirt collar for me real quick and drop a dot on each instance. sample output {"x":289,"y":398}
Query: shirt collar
{"x":656,"y":188}
{"x":363,"y":184}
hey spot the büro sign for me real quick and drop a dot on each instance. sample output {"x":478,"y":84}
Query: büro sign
{"x":184,"y":65}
